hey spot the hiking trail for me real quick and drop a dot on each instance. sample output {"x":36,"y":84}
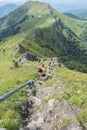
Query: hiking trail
{"x":46,"y":110}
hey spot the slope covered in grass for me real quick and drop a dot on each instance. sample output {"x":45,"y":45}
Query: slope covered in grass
{"x":34,"y":15}
{"x":75,"y":91}
{"x":33,"y":27}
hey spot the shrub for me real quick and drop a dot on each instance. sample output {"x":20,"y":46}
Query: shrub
{"x":14,"y":64}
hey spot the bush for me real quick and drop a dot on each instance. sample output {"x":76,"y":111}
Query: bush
{"x":10,"y":120}
{"x":14,"y":64}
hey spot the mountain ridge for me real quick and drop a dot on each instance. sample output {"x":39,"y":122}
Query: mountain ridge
{"x":30,"y":17}
{"x":36,"y":31}
{"x":71,"y":15}
{"x":81,"y":13}
{"x":6,"y":9}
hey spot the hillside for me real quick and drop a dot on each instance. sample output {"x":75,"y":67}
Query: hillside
{"x":6,"y":9}
{"x":69,"y":33}
{"x":71,"y":15}
{"x":32,"y":31}
{"x":81,"y":13}
{"x":64,"y":93}
{"x":28,"y":12}
{"x":57,"y":102}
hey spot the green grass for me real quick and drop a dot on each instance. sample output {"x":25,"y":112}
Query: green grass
{"x":77,"y":26}
{"x":75,"y":90}
{"x":75,"y":83}
{"x":11,"y":79}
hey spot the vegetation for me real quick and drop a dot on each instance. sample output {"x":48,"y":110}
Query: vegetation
{"x":45,"y":33}
{"x":75,"y":90}
{"x":14,"y":120}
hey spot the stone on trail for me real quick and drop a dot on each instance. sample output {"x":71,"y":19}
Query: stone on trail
{"x":32,"y":126}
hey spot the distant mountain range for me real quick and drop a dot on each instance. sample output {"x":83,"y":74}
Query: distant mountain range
{"x":75,"y":9}
{"x":68,"y":10}
{"x":71,"y":15}
{"x":81,"y":13}
{"x":6,"y":9}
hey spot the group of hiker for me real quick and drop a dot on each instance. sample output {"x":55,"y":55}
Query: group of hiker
{"x":42,"y":70}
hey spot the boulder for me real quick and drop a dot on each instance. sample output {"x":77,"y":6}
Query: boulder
{"x":32,"y":126}
{"x":19,"y":48}
{"x":40,"y":121}
{"x":50,"y":105}
{"x":21,"y":128}
{"x":57,"y":23}
{"x":26,"y":57}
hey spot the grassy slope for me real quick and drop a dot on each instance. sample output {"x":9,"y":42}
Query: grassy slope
{"x":46,"y":14}
{"x":10,"y":79}
{"x":43,"y":9}
{"x":75,"y":90}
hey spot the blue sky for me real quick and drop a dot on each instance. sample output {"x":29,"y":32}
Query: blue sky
{"x":56,"y":1}
{"x":60,"y":4}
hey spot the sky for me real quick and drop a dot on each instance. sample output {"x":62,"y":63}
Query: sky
{"x":61,"y":4}
{"x":56,"y":1}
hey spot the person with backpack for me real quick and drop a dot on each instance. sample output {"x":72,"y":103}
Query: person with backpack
{"x":42,"y":72}
{"x":51,"y":64}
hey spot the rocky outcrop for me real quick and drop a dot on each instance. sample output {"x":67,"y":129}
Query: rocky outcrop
{"x":27,"y":56}
{"x":57,"y":23}
{"x":19,"y":48}
{"x":38,"y":33}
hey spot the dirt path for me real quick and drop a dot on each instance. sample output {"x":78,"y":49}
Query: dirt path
{"x":47,"y":111}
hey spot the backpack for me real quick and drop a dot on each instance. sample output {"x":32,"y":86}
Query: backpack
{"x":39,"y":70}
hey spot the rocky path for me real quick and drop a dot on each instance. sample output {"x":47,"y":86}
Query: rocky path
{"x":47,"y":111}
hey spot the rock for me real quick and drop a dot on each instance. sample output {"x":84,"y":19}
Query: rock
{"x":51,"y":102}
{"x":26,"y":57}
{"x":38,"y":33}
{"x":40,"y":82}
{"x":37,"y":100}
{"x":40,"y":121}
{"x":50,"y":105}
{"x":39,"y":16}
{"x":57,"y":23}
{"x":19,"y":48}
{"x":32,"y":126}
{"x":14,"y":64}
{"x":21,"y":128}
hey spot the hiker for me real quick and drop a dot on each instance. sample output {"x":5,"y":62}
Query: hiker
{"x":42,"y":72}
{"x":51,"y":64}
{"x":38,"y":59}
